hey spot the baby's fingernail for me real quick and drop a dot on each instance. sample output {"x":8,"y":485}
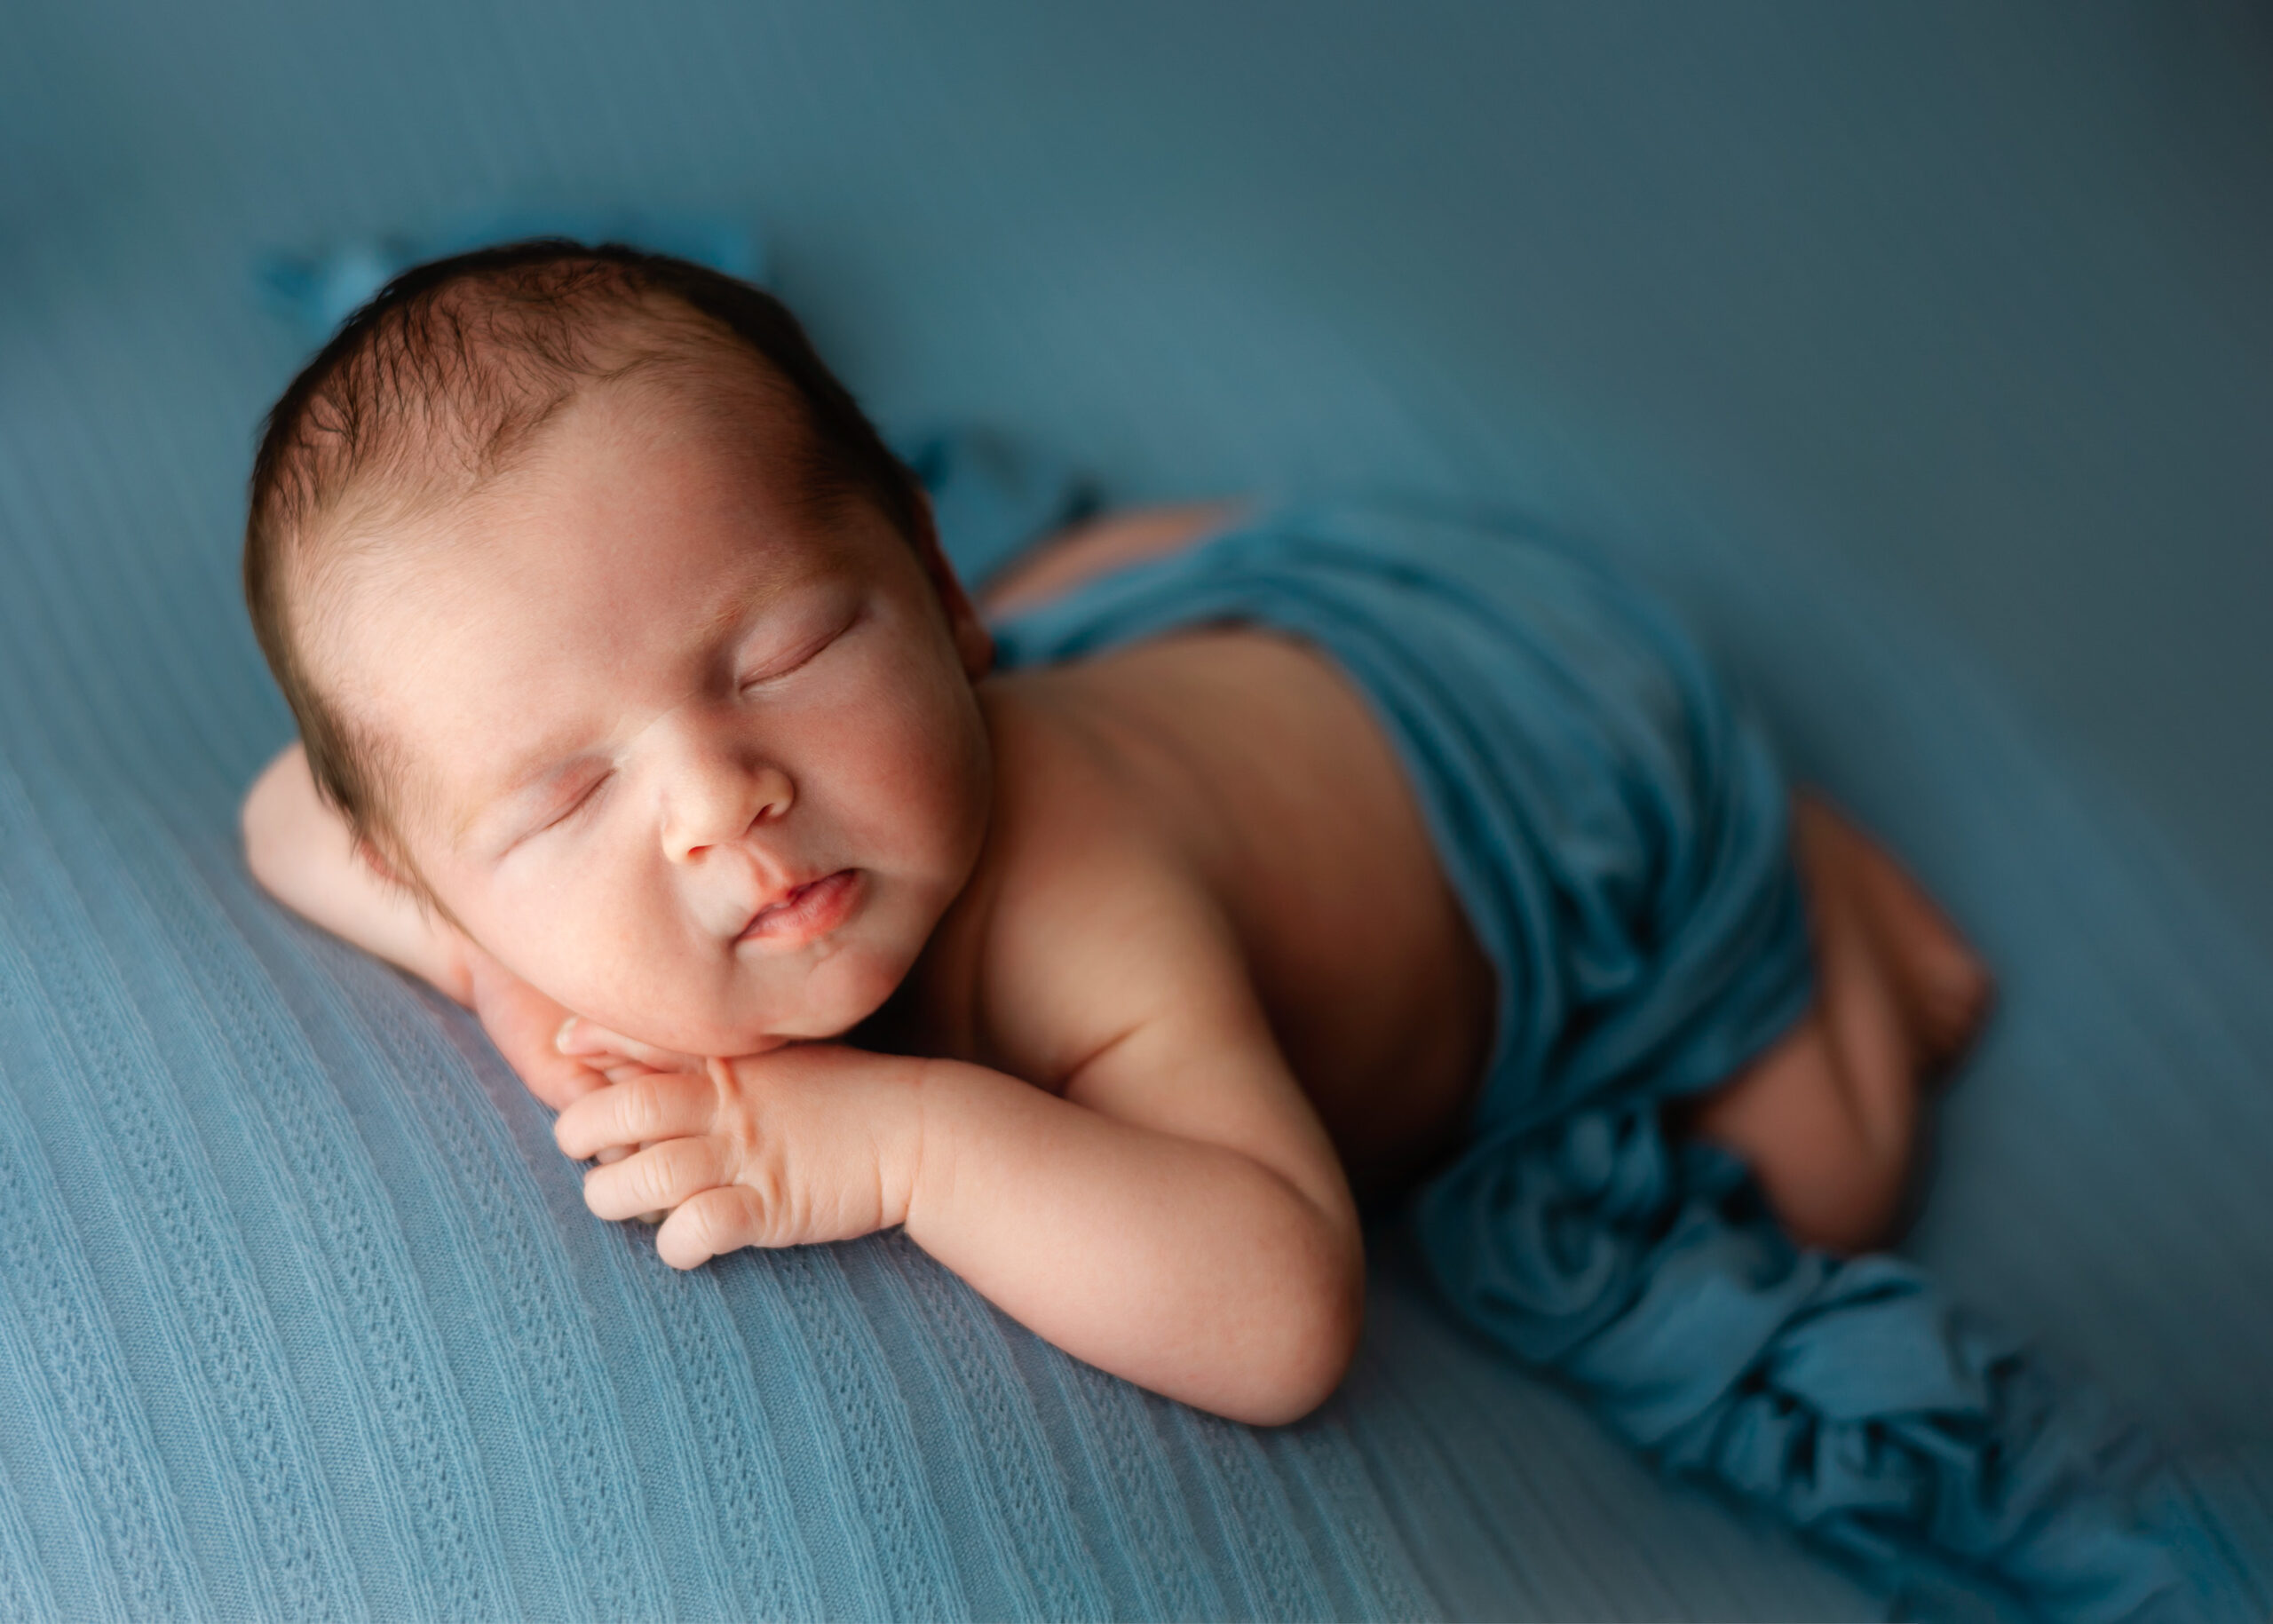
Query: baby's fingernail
{"x":562,"y":1038}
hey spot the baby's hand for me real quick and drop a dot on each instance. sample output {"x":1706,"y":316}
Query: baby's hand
{"x":532,"y":1032}
{"x":811,"y":1143}
{"x":607,"y":1057}
{"x":615,"y":1058}
{"x":560,"y":1058}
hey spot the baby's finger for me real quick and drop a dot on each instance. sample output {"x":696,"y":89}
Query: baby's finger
{"x":624,"y":1071}
{"x":708,"y":1225}
{"x":617,"y":1153}
{"x":652,"y":1106}
{"x":585,"y":1039}
{"x":661,"y":1176}
{"x":555,"y":1079}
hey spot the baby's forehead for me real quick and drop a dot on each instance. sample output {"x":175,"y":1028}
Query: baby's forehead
{"x":722,"y":417}
{"x":468,"y":636}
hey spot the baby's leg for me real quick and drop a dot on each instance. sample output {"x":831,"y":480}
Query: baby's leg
{"x":1828,"y":1117}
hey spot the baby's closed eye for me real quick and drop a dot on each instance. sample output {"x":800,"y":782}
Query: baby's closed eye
{"x":579,"y":801}
{"x":784,"y":651}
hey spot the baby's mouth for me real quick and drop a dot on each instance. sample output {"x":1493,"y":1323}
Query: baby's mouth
{"x":806,"y":913}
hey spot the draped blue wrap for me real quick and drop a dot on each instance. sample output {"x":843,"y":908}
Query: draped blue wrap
{"x":1616,"y":829}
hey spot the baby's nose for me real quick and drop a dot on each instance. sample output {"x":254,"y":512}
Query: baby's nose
{"x":720,"y":804}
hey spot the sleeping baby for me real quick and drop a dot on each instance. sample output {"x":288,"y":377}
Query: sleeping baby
{"x":1253,"y":862}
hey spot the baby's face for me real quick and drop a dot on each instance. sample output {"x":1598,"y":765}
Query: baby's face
{"x":702,"y":764}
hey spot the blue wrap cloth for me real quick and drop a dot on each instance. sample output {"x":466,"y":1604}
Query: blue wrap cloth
{"x":1617,"y":832}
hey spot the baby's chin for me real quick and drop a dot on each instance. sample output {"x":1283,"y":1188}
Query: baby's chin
{"x":836,"y":995}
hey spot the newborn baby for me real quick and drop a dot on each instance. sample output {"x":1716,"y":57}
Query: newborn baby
{"x":641,"y":712}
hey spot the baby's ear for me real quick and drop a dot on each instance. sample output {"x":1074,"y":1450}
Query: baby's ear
{"x":368,"y":854}
{"x":973,"y":642}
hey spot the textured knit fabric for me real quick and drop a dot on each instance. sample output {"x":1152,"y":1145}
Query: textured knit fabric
{"x":1617,"y":835}
{"x":301,"y":1314}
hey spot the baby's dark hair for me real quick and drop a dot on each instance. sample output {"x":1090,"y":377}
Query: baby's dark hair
{"x":452,"y":368}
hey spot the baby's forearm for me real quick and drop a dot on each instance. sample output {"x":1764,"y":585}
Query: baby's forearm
{"x":300,"y":850}
{"x":1188,"y":1268}
{"x":1226,"y":1271}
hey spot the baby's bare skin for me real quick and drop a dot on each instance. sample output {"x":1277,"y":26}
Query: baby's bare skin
{"x":683,"y":750}
{"x":1312,"y":849}
{"x":1172,"y":969}
{"x":1380,"y":995}
{"x":1376,"y":990}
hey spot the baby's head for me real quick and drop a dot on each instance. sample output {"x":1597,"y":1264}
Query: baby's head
{"x":616,"y":633}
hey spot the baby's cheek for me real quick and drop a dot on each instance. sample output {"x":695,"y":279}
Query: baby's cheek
{"x":924,"y":799}
{"x":652,"y":983}
{"x":587,"y":957}
{"x":633,"y":984}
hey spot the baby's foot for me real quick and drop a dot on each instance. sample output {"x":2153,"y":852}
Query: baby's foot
{"x":1943,"y":989}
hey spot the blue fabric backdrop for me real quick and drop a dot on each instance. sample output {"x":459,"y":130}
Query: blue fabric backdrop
{"x":1814,"y":319}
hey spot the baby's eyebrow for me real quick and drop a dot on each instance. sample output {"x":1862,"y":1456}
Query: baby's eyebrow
{"x":735,"y":614}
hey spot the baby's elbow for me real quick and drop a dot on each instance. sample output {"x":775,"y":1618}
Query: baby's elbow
{"x":265,"y":822}
{"x":1309,"y":1348}
{"x":256,"y":827}
{"x":1307,"y":1380}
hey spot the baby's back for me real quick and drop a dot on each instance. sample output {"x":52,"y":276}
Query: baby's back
{"x":1243,"y":764}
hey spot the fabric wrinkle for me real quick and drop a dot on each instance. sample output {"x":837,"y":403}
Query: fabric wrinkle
{"x":1617,"y":829}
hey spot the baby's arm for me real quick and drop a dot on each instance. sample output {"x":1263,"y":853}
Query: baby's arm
{"x":301,"y":851}
{"x":1216,"y":1262}
{"x":1179,"y":1217}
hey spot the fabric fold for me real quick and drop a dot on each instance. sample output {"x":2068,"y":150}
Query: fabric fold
{"x":1616,"y":828}
{"x":1850,"y":1397}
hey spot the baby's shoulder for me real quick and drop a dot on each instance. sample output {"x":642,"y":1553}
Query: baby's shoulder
{"x":1089,"y":912}
{"x":1082,"y":831}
